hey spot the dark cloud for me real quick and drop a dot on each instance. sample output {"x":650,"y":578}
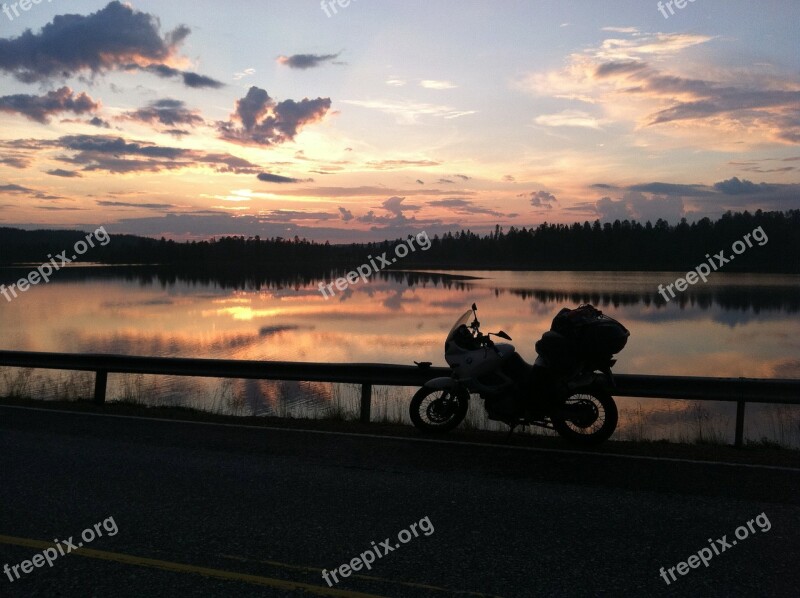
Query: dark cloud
{"x":735,"y":186}
{"x":14,"y":189}
{"x":542,"y":199}
{"x":67,"y":174}
{"x":306,"y":61}
{"x":464,"y":206}
{"x":463,"y":177}
{"x":108,"y":39}
{"x":16,"y":161}
{"x":176,"y":132}
{"x":190,"y":79}
{"x":396,"y":206}
{"x":276,"y":178}
{"x":446,"y":182}
{"x":293,"y":215}
{"x":118,"y":155}
{"x":621,"y":67}
{"x":673,"y":189}
{"x":260,"y":120}
{"x":125,"y":204}
{"x":167,"y":112}
{"x":41,"y":108}
{"x":345,"y":214}
{"x":635,"y":205}
{"x":99,"y":122}
{"x":420,"y":182}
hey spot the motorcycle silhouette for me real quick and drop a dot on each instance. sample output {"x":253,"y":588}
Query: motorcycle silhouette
{"x":565,"y":389}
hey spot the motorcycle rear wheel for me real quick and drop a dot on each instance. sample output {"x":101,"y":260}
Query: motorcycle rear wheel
{"x":436,"y":410}
{"x":588,"y":416}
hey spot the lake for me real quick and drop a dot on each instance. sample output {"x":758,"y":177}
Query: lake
{"x":734,"y":325}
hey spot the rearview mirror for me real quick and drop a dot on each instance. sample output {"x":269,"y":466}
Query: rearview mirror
{"x":502,"y":334}
{"x":474,"y":307}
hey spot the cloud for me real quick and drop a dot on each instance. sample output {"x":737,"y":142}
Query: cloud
{"x":569,"y":118}
{"x":41,"y":108}
{"x":464,"y":206}
{"x":190,"y":79}
{"x":260,"y":120}
{"x":636,"y":206}
{"x":119,"y":156}
{"x":671,"y":189}
{"x":276,"y":178}
{"x":293,"y":215}
{"x":306,"y":61}
{"x":735,"y":186}
{"x":398,"y":164}
{"x":409,"y":111}
{"x":166,"y":112}
{"x":125,"y":204}
{"x":345,"y":214}
{"x":432,"y":84}
{"x":16,"y":161}
{"x":68,"y":174}
{"x":631,"y":80}
{"x":243,"y":74}
{"x":14,"y":189}
{"x":111,"y":38}
{"x":396,"y":206}
{"x":99,"y":122}
{"x":542,"y":199}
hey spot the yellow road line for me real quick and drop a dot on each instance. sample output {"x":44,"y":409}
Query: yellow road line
{"x":182,"y":568}
{"x":366,"y":577}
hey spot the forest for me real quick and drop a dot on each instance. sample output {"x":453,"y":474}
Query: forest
{"x":618,"y":245}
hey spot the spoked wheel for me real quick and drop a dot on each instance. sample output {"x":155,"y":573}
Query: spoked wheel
{"x":588,"y":416}
{"x":438,"y":410}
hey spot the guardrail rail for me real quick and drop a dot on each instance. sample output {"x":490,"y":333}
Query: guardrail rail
{"x":738,"y":390}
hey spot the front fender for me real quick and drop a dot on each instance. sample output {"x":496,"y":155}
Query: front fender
{"x":442,"y":384}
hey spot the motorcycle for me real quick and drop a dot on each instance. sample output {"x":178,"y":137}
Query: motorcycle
{"x":565,"y":389}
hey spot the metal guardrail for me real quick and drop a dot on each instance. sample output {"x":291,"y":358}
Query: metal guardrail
{"x":738,"y":390}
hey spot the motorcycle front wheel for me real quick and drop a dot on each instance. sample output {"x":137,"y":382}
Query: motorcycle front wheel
{"x":588,"y":416}
{"x":436,"y":410}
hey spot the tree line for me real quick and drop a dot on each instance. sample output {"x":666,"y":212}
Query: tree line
{"x":618,"y":245}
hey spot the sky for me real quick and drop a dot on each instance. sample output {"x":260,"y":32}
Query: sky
{"x":371,"y":120}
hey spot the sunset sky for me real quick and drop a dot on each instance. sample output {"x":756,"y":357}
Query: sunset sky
{"x":278,"y":118}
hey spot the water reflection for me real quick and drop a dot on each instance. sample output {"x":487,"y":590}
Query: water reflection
{"x":736,"y":325}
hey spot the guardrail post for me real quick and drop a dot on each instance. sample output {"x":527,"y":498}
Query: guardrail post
{"x":739,"y":424}
{"x":100,"y":381}
{"x":366,"y":402}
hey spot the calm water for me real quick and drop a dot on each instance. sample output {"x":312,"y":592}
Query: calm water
{"x":735,"y":325}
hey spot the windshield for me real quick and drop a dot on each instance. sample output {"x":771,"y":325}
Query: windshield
{"x":463,"y":320}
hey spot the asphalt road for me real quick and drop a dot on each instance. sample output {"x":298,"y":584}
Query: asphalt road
{"x":211,"y":510}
